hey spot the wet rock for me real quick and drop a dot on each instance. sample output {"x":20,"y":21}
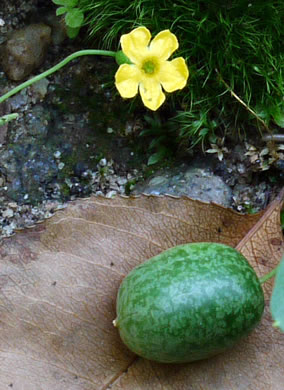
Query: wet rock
{"x":280,"y":165}
{"x":18,"y":101}
{"x":195,"y":182}
{"x":58,"y":34}
{"x":27,"y":160}
{"x":37,"y":121}
{"x":29,"y":170}
{"x":3,"y":128}
{"x":39,"y":90}
{"x":25,"y":50}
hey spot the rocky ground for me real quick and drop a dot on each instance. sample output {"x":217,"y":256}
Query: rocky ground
{"x":74,"y":136}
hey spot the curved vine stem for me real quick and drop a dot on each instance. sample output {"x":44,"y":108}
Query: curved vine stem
{"x":54,"y":69}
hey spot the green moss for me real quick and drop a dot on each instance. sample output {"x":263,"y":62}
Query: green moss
{"x":237,"y":45}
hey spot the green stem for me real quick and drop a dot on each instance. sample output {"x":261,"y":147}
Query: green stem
{"x":268,"y":276}
{"x":7,"y":118}
{"x":54,"y":69}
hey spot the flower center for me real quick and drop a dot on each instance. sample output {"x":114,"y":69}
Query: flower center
{"x":149,"y":67}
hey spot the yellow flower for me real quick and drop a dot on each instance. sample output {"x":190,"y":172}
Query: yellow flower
{"x":150,"y":72}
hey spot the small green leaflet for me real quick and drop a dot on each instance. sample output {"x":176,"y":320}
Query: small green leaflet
{"x":279,"y":118}
{"x":277,"y":299}
{"x":61,"y":11}
{"x":72,"y":32}
{"x":154,"y":158}
{"x":74,"y":18}
{"x":159,"y":156}
{"x":66,"y":3}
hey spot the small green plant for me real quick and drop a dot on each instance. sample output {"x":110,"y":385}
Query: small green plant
{"x":161,"y":147}
{"x":129,"y":186}
{"x":196,"y":126}
{"x":74,"y":16}
{"x":234,"y":50}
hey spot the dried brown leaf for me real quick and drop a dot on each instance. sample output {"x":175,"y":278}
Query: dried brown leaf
{"x":59,"y":283}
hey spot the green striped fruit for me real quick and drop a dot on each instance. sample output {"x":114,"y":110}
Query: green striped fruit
{"x":189,"y":303}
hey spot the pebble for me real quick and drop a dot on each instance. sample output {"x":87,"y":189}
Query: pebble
{"x":13,"y":205}
{"x":8,"y":213}
{"x":111,"y":194}
{"x":8,"y":230}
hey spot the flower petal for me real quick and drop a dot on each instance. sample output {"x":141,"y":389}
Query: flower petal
{"x":164,"y":44}
{"x":127,"y":79}
{"x":151,"y":93}
{"x":173,"y":74}
{"x":134,"y":45}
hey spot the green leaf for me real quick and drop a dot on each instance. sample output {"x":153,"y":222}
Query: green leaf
{"x":146,"y":132}
{"x":262,"y":112}
{"x":121,"y":58}
{"x":72,"y":32}
{"x":154,"y":158}
{"x":59,"y":2}
{"x":279,"y":118}
{"x":156,"y":141}
{"x":66,"y":3}
{"x":71,"y":3}
{"x":157,"y":157}
{"x":61,"y":11}
{"x":74,"y":18}
{"x":203,"y":132}
{"x":277,"y":299}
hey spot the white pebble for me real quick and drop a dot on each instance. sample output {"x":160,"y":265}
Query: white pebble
{"x":111,"y":194}
{"x":8,"y":213}
{"x":103,"y":162}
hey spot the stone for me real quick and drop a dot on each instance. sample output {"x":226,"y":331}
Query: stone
{"x":25,"y":50}
{"x":3,"y":128}
{"x":192,"y":181}
{"x":58,"y":34}
{"x":8,"y":213}
{"x":39,"y":90}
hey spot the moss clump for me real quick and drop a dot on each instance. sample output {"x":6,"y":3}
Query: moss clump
{"x":236,"y":45}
